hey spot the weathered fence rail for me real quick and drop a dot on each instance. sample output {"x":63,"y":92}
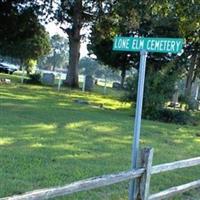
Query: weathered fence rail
{"x":175,"y":190}
{"x":78,"y":186}
{"x":143,"y":175}
{"x":175,"y":165}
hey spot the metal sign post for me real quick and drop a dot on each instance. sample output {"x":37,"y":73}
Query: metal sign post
{"x":144,"y":45}
{"x":138,"y":116}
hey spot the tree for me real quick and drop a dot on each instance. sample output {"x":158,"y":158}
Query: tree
{"x":137,"y":21}
{"x":189,"y":28}
{"x":21,"y":36}
{"x":60,"y":50}
{"x":118,"y":21}
{"x":88,"y":65}
{"x":190,"y":62}
{"x":162,"y":70}
{"x":102,"y":48}
{"x":58,"y":56}
{"x":30,"y":65}
{"x":72,"y":16}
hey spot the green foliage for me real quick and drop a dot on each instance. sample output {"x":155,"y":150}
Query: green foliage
{"x":156,"y":94}
{"x":22,"y":36}
{"x":131,"y":89}
{"x":59,"y":55}
{"x":73,"y":16}
{"x":138,"y":21}
{"x":158,"y":89}
{"x":151,"y":19}
{"x":88,"y":65}
{"x":30,"y":65}
{"x":175,"y":116}
{"x":34,"y":79}
{"x":189,"y":28}
{"x":161,"y":19}
{"x":103,"y":32}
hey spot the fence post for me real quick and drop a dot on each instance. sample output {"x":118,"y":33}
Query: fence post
{"x":137,"y":181}
{"x":146,"y":160}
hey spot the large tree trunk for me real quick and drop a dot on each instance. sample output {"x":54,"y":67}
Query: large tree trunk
{"x":190,"y":77}
{"x":74,"y":54}
{"x":74,"y":46}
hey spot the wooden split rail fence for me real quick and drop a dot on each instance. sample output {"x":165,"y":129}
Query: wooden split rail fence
{"x":143,"y":176}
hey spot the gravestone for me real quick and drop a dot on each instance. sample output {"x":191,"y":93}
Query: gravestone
{"x":116,"y":85}
{"x":89,"y":83}
{"x":175,"y":96}
{"x":48,"y":79}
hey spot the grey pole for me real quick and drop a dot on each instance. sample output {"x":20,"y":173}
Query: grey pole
{"x":138,"y":116}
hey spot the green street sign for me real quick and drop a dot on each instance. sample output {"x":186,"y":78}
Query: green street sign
{"x":160,"y":45}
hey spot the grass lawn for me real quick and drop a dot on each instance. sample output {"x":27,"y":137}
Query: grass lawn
{"x":47,"y":139}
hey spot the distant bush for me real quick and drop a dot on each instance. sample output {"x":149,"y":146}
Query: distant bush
{"x":34,"y":79}
{"x":158,"y":89}
{"x":130,"y":89}
{"x":116,"y":85}
{"x":190,"y":103}
{"x":173,"y":116}
{"x":30,"y":66}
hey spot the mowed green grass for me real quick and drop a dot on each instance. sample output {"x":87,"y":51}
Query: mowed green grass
{"x":46,"y":140}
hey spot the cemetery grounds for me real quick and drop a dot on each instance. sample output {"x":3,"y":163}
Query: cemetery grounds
{"x":50,"y":138}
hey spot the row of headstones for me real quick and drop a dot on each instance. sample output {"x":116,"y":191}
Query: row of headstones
{"x":49,"y":79}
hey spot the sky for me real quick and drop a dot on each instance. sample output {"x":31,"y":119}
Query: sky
{"x":53,"y":29}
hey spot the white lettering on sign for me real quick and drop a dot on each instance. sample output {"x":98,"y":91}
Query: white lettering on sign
{"x":122,"y":43}
{"x":173,"y":43}
{"x":148,"y":45}
{"x":163,"y":45}
{"x":178,"y":43}
{"x":168,"y":46}
{"x":141,"y":46}
{"x":134,"y":44}
{"x":137,"y":44}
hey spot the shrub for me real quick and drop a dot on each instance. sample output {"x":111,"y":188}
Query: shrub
{"x":158,"y":89}
{"x":34,"y":79}
{"x":174,"y":116}
{"x":190,"y":104}
{"x":130,"y":89}
{"x":30,"y":65}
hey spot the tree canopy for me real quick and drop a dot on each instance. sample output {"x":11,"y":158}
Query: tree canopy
{"x":151,"y":19}
{"x":88,"y":66}
{"x":137,"y":21}
{"x":59,"y":54}
{"x":21,"y":34}
{"x":72,"y":17}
